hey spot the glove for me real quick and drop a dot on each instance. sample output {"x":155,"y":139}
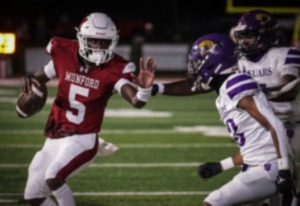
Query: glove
{"x":284,"y":182}
{"x":154,"y":90}
{"x":209,"y":169}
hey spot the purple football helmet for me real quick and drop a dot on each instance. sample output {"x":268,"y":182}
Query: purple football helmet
{"x":210,"y":55}
{"x":256,"y":31}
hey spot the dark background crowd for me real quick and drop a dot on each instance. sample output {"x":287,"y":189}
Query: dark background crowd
{"x":164,"y":21}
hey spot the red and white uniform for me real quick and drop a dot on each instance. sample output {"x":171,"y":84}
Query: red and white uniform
{"x":76,"y":115}
{"x":82,"y":97}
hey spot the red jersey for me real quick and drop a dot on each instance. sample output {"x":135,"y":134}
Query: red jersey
{"x":83,"y":92}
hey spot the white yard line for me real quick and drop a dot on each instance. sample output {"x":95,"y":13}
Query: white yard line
{"x":124,"y":165}
{"x":178,"y":145}
{"x":21,"y":131}
{"x":7,"y":201}
{"x":109,"y":113}
{"x":144,"y":165}
{"x":104,"y":131}
{"x":217,"y":131}
{"x":121,"y":165}
{"x":142,"y":146}
{"x":7,"y":92}
{"x":171,"y":193}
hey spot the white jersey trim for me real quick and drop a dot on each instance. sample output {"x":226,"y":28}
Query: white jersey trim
{"x":49,"y":70}
{"x":290,"y":71}
{"x":120,"y":84}
{"x":130,"y":67}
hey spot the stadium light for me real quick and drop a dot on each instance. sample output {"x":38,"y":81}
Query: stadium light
{"x":7,"y":43}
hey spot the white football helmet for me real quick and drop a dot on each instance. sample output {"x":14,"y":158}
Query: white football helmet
{"x":97,"y":26}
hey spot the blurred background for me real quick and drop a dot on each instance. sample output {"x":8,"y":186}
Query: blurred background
{"x":164,"y":29}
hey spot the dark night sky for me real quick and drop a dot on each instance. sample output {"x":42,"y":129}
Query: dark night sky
{"x":159,"y":10}
{"x":189,"y":17}
{"x":175,"y":21}
{"x":168,"y":16}
{"x":156,"y":10}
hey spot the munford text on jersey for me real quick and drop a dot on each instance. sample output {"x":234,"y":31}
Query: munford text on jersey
{"x":82,"y":80}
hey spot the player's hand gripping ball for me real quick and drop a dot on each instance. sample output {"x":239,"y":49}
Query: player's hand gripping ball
{"x":32,"y":98}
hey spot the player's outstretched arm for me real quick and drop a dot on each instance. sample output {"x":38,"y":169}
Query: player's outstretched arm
{"x":178,"y":88}
{"x":139,"y":94}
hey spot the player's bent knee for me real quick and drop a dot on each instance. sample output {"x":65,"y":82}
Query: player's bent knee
{"x":214,"y":198}
{"x":54,"y":184}
{"x":206,"y":204}
{"x":35,"y":201}
{"x":35,"y":189}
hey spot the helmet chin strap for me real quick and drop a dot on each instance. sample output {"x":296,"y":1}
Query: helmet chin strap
{"x":198,"y":84}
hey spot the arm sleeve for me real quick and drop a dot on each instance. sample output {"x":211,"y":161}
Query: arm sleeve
{"x":276,"y":124}
{"x":125,"y":78}
{"x":49,"y":70}
{"x":290,"y":71}
{"x":120,"y":84}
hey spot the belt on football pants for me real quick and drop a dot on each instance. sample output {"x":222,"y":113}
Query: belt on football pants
{"x":245,"y":167}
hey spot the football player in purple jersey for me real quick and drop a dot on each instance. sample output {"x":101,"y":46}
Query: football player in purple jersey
{"x":243,"y":108}
{"x":276,"y":68}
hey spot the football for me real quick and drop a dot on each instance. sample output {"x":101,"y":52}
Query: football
{"x":30,"y":103}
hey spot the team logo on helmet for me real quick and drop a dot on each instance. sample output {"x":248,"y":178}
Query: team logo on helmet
{"x":206,"y":46}
{"x":263,"y":18}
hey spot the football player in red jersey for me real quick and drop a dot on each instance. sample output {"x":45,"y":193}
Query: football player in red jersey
{"x":89,"y":73}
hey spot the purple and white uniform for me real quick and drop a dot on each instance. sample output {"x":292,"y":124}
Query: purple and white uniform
{"x":256,"y":180}
{"x":267,"y":71}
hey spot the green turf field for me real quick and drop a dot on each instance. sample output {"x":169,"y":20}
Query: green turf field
{"x":156,"y":163}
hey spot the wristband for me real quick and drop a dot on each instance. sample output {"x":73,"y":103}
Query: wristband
{"x":161,"y":88}
{"x":143,"y":94}
{"x":157,"y":88}
{"x":227,"y":163}
{"x":283,"y":163}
